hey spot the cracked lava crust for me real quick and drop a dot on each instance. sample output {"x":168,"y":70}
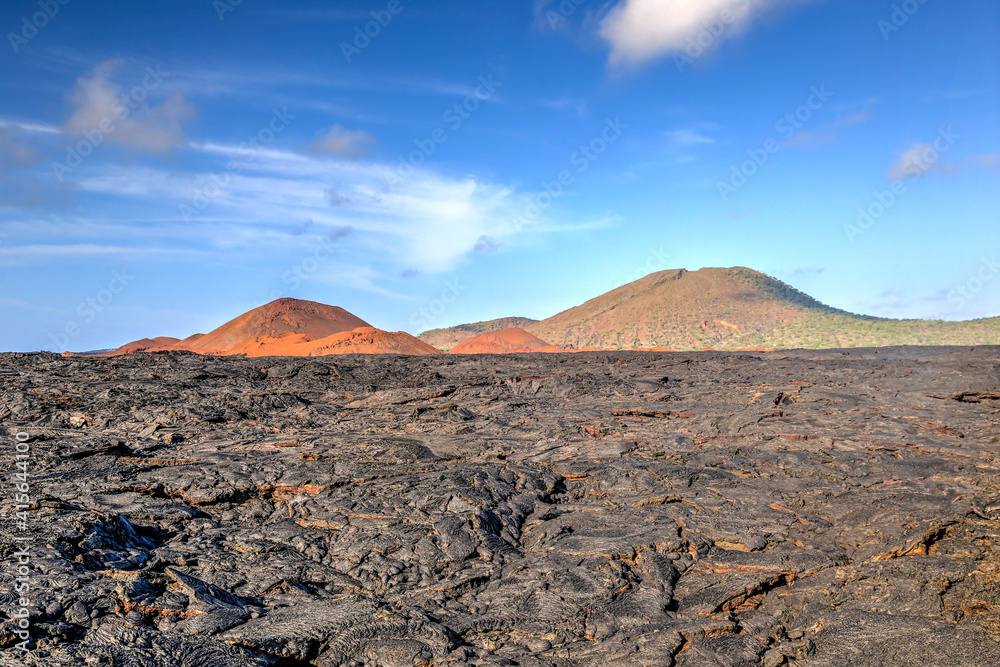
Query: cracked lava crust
{"x":786,"y":508}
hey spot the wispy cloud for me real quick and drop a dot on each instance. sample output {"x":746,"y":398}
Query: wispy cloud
{"x":688,"y":137}
{"x":85,"y":250}
{"x":342,"y":142}
{"x":991,"y":161}
{"x":828,"y":133}
{"x":16,"y":150}
{"x":428,"y":222}
{"x":23,"y":148}
{"x":921,"y":159}
{"x":309,"y":15}
{"x":892,"y":302}
{"x":39,"y":128}
{"x":17,"y":303}
{"x":562,"y":104}
{"x":276,"y":82}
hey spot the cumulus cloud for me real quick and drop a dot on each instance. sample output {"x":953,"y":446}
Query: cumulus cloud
{"x":343,"y":142}
{"x":102,"y":108}
{"x":642,"y":30}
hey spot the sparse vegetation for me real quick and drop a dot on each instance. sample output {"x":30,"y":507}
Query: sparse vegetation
{"x":697,"y":310}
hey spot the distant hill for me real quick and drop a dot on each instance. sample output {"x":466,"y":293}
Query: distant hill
{"x":289,"y":327}
{"x":369,"y":340}
{"x":507,"y":341}
{"x":144,"y":345}
{"x":283,"y":316}
{"x":445,"y":339}
{"x":732,"y":308}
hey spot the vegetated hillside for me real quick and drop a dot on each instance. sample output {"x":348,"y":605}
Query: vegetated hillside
{"x":736,"y":308}
{"x":445,"y":339}
{"x":835,"y":330}
{"x":680,"y":309}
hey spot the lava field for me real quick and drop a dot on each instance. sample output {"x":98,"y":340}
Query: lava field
{"x":798,"y":508}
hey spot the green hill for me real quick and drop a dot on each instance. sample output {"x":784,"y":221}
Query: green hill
{"x":726,"y":308}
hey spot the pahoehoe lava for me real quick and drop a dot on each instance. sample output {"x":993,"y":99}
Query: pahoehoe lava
{"x":788,"y":508}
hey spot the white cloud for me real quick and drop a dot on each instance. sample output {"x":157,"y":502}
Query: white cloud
{"x":642,"y":30}
{"x":428,"y":221}
{"x":441,"y":220}
{"x":100,"y":106}
{"x":921,"y":158}
{"x":914,"y":162}
{"x":18,"y":303}
{"x":343,"y":142}
{"x":39,"y":128}
{"x":688,"y":138}
{"x":86,"y":250}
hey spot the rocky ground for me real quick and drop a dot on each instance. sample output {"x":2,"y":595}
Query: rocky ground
{"x":804,"y":508}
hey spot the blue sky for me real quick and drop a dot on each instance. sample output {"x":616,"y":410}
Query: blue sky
{"x":166,"y":166}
